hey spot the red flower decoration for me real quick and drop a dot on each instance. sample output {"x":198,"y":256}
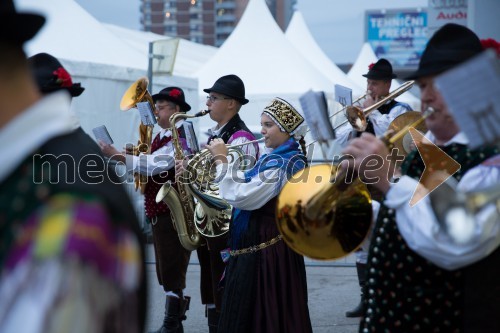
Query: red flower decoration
{"x":176,"y":93}
{"x":491,"y":44}
{"x":63,"y":77}
{"x":370,"y":66}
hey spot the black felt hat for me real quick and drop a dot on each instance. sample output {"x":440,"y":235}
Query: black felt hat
{"x":16,"y":28}
{"x":381,"y":70}
{"x":174,"y":95}
{"x":451,"y":45}
{"x":230,"y":85}
{"x":51,"y":76}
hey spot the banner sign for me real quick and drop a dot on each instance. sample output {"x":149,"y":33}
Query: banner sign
{"x":398,"y":35}
{"x":441,"y":12}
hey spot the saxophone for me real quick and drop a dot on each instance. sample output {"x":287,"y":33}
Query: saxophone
{"x":180,"y":202}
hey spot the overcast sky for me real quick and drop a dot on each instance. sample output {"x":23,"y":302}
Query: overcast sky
{"x":337,"y":25}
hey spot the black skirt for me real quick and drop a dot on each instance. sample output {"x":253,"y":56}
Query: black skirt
{"x":265,"y":291}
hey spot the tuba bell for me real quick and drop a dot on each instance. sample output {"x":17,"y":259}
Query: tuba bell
{"x":138,"y":93}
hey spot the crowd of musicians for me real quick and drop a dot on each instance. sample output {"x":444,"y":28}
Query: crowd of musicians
{"x":72,"y":255}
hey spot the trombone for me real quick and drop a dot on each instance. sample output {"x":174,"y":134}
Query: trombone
{"x":357,"y":117}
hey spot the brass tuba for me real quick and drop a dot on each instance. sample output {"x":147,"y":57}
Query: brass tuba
{"x":180,"y":201}
{"x":136,"y":93}
{"x":325,"y":214}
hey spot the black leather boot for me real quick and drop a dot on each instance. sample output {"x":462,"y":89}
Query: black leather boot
{"x":175,"y":313}
{"x":213,"y":320}
{"x":359,"y":310}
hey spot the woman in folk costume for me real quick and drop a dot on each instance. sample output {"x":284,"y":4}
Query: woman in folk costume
{"x":265,"y":281}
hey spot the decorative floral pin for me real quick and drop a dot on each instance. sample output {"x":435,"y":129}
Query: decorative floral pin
{"x":63,"y":77}
{"x":490,"y":43}
{"x":176,"y":93}
{"x":370,"y":66}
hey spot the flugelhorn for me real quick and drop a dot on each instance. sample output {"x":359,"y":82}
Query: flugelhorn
{"x":137,"y":93}
{"x":325,"y":219}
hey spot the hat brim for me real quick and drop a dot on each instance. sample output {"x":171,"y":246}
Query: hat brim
{"x":243,"y":101}
{"x":380,"y":77}
{"x":23,"y":27}
{"x":75,"y":90}
{"x":431,"y":70}
{"x":184,"y":106}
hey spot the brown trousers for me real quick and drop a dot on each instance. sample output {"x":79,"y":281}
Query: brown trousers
{"x":212,"y":267}
{"x":171,"y":258}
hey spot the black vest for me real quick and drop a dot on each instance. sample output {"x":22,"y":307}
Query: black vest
{"x":234,"y":125}
{"x":405,"y":292}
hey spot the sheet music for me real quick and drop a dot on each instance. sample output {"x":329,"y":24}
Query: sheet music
{"x":101,"y":134}
{"x":472,"y":93}
{"x":343,"y":95}
{"x":316,"y":114}
{"x":192,"y":142}
{"x":147,"y":116}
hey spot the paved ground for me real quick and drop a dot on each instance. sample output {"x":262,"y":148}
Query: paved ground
{"x":333,"y":289}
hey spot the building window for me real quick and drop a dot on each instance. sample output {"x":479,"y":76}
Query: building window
{"x":195,"y":16}
{"x":170,"y":4}
{"x":170,"y":29}
{"x":196,"y":39}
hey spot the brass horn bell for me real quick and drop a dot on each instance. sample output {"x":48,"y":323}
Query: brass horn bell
{"x":322,"y":220}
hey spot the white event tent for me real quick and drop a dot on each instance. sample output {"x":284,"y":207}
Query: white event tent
{"x":104,"y":64}
{"x":299,"y":35}
{"x":190,"y":56}
{"x":269,"y":65}
{"x":365,"y":57}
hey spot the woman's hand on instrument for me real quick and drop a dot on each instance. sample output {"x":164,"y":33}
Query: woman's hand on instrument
{"x":218,"y":149}
{"x":370,"y":160}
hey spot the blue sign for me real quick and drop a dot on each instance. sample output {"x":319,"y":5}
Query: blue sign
{"x":399,"y":36}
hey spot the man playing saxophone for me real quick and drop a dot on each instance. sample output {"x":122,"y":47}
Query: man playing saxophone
{"x":171,"y":257}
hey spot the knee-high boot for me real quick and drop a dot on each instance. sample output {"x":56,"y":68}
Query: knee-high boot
{"x":175,"y":313}
{"x":358,"y":310}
